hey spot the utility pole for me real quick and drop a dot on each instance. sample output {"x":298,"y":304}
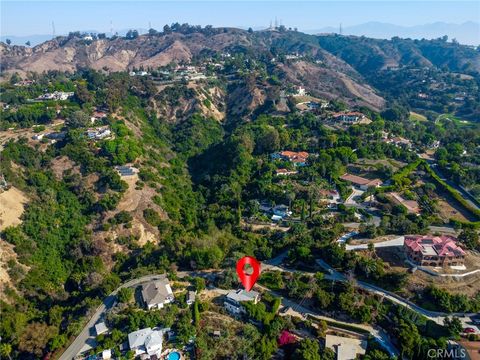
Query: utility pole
{"x":53,"y":30}
{"x":340,"y":29}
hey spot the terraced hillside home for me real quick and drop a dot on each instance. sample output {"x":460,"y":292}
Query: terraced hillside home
{"x":436,"y":251}
{"x":233,"y":300}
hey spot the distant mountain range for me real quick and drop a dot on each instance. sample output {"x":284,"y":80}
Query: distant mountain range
{"x":467,"y":33}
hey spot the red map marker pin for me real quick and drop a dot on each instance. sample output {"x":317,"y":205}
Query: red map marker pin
{"x":248,"y":280}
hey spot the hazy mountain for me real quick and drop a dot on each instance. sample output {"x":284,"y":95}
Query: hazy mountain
{"x":467,"y":33}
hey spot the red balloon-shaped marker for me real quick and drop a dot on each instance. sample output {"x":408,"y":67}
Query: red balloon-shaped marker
{"x":248,"y":280}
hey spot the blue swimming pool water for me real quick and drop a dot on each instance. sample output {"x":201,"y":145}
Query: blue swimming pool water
{"x":174,"y":356}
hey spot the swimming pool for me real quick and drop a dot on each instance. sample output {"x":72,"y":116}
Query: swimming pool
{"x":174,"y":356}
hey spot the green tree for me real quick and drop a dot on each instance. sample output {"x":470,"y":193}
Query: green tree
{"x":78,"y":119}
{"x":470,"y":238}
{"x":308,"y":349}
{"x":199,"y":284}
{"x":125,"y":295}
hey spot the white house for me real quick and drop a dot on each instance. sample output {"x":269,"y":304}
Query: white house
{"x":146,"y":341}
{"x":156,"y":294}
{"x":233,"y":300}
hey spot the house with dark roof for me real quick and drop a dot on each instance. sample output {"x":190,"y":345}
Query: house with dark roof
{"x":434,"y":250}
{"x":157,"y":293}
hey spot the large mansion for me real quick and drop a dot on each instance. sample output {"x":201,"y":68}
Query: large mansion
{"x":434,"y":250}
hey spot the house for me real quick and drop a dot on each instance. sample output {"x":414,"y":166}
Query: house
{"x":88,"y":38}
{"x":233,"y":300}
{"x":400,"y":142}
{"x":98,"y":115}
{"x":346,"y":348}
{"x":430,"y":250}
{"x":361,"y":182}
{"x":99,"y":133}
{"x":107,"y":354}
{"x":191,"y":295}
{"x":57,"y":95}
{"x":352,"y":117}
{"x":157,"y":293}
{"x":101,"y":328}
{"x":146,"y":341}
{"x":300,"y":91}
{"x":285,"y":172}
{"x":297,"y":158}
{"x":126,"y":170}
{"x":411,"y":205}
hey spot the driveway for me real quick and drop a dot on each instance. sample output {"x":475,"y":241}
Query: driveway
{"x":388,"y":243}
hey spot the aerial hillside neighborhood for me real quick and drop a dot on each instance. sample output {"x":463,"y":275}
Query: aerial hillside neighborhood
{"x":200,"y":192}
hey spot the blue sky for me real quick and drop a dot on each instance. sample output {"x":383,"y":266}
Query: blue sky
{"x":35,"y":17}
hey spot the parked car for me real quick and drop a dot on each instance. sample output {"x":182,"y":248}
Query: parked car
{"x":469,"y":330}
{"x":476,"y":321}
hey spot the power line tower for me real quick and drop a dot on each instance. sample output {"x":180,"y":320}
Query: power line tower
{"x":53,"y":30}
{"x":276,"y":22}
{"x":149,"y":25}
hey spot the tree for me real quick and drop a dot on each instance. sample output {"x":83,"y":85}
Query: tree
{"x":78,"y":120}
{"x":35,"y":338}
{"x":470,"y":238}
{"x":8,"y":41}
{"x":199,"y":284}
{"x":196,"y":314}
{"x":453,"y":325}
{"x":28,"y":43}
{"x":308,"y":350}
{"x":5,"y":350}
{"x":131,"y":34}
{"x":125,"y":295}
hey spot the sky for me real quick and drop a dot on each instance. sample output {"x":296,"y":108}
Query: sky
{"x":21,"y":18}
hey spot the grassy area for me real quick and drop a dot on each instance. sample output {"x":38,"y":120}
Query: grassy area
{"x":451,"y":117}
{"x":417,"y":117}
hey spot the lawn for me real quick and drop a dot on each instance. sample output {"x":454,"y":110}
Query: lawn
{"x":417,"y":117}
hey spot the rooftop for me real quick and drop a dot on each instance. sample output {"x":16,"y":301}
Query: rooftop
{"x":242,"y":295}
{"x":157,"y":292}
{"x":358,"y":180}
{"x":434,"y":245}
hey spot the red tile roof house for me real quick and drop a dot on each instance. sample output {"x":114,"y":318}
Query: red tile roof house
{"x":361,"y":182}
{"x":434,"y":250}
{"x":297,"y":158}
